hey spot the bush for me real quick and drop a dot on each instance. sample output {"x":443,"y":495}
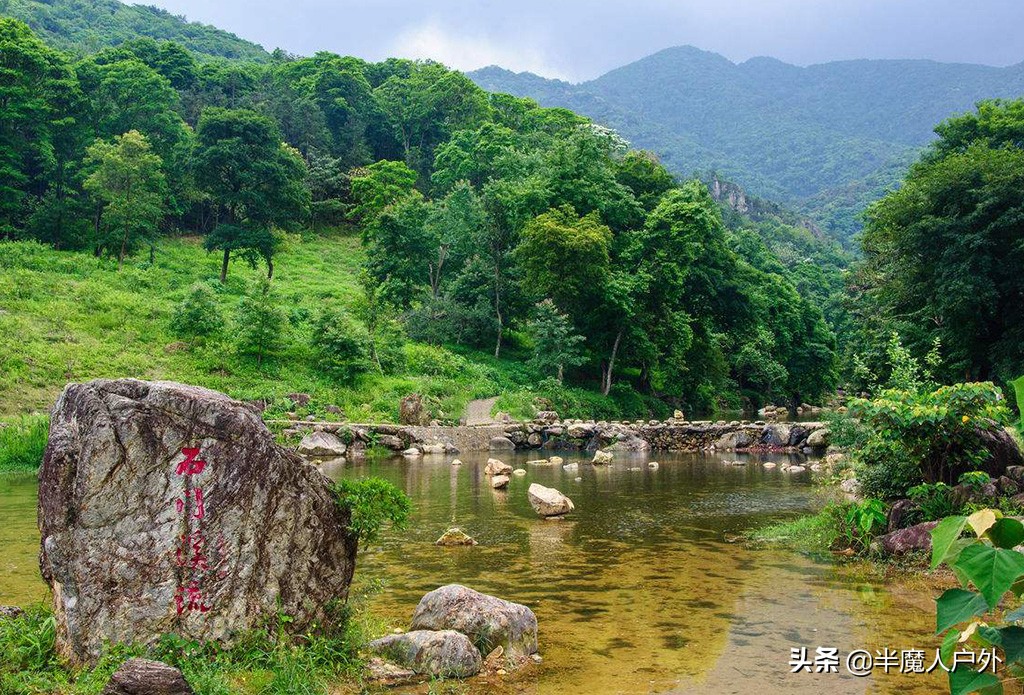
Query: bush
{"x":430,"y":360}
{"x":372,"y":502}
{"x":22,"y":444}
{"x":198,"y":315}
{"x":342,"y":345}
{"x":930,"y":436}
{"x":259,"y":323}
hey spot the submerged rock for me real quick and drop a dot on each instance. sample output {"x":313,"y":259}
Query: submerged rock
{"x":445,"y":653}
{"x":547,"y":501}
{"x":455,"y":536}
{"x":519,"y":471}
{"x":322,"y":445}
{"x":131,"y":469}
{"x":488,"y":621}
{"x":145,"y":677}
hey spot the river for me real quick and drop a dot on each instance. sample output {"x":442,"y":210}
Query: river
{"x":645,"y":588}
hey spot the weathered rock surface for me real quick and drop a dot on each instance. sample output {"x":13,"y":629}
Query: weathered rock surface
{"x":502,"y":444}
{"x":500,"y":482}
{"x":411,"y":411}
{"x":387,"y":673}
{"x":145,"y":677}
{"x":322,"y":445}
{"x":442,"y":652}
{"x":602,"y":458}
{"x":916,"y":537}
{"x":166,"y":508}
{"x":488,"y":621}
{"x":818,"y":439}
{"x":496,"y":467}
{"x":547,"y":501}
{"x":453,"y":537}
{"x":9,"y":612}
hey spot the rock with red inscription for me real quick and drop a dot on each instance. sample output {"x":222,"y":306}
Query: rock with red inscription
{"x":166,"y":508}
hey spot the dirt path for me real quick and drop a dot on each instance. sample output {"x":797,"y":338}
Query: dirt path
{"x":478,"y":412}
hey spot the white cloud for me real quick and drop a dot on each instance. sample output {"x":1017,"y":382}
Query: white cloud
{"x":468,"y":51}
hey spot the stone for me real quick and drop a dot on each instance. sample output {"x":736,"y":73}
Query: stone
{"x":899,"y":512}
{"x":322,"y":445}
{"x":556,"y":460}
{"x":1015,"y":473}
{"x":653,"y":465}
{"x":534,"y":440}
{"x":519,"y":471}
{"x":602,"y":458}
{"x":539,"y":462}
{"x":1007,"y":486}
{"x":917,"y":537}
{"x":850,"y":486}
{"x":496,"y":467}
{"x":488,"y":621}
{"x":435,"y":448}
{"x":548,"y":501}
{"x":500,"y":482}
{"x":740,"y":439}
{"x":146,"y":677}
{"x":678,"y":415}
{"x":11,"y":612}
{"x":501,"y":444}
{"x":412,"y":453}
{"x":456,"y":462}
{"x":122,"y":454}
{"x":299,"y":400}
{"x":1003,"y":453}
{"x":391,"y":441}
{"x":818,"y":439}
{"x":769,"y":464}
{"x":795,"y":469}
{"x":334,"y":410}
{"x":547,"y":417}
{"x":571,"y":467}
{"x":387,"y":673}
{"x":411,"y":411}
{"x":454,"y":536}
{"x":444,"y":653}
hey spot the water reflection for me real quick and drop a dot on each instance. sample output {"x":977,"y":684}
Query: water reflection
{"x":640,"y":590}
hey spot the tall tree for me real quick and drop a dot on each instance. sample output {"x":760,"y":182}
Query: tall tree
{"x":255,"y":182}
{"x":127,"y":178}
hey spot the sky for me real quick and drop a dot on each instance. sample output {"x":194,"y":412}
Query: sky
{"x":578,"y":40}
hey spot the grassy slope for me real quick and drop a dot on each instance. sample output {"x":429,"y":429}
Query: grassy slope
{"x":67,"y":316}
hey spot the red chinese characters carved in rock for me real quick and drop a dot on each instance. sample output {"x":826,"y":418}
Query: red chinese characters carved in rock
{"x":190,"y":555}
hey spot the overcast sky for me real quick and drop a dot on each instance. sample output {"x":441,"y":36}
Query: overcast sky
{"x":578,"y":40}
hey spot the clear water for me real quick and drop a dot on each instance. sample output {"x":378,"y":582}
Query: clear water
{"x":643,"y":589}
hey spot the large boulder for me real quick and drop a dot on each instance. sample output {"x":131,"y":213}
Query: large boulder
{"x":740,"y":439}
{"x":918,"y":537}
{"x":166,"y":508}
{"x":322,"y":445}
{"x":1003,"y":453}
{"x":412,"y":412}
{"x":818,"y":439}
{"x":547,"y":501}
{"x":145,"y":677}
{"x":445,"y":653}
{"x":496,"y":467}
{"x":488,"y":621}
{"x":501,"y":444}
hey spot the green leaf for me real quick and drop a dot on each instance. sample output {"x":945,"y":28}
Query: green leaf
{"x":965,"y":680}
{"x":943,"y":536}
{"x":1011,"y":639}
{"x":956,"y":606}
{"x":1007,"y":533}
{"x":993,"y":570}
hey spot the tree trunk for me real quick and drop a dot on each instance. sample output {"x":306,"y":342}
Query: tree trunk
{"x":270,"y":268}
{"x":224,"y":266}
{"x":497,"y":307}
{"x":607,"y":386}
{"x":124,"y":243}
{"x":152,"y":253}
{"x":561,"y":370}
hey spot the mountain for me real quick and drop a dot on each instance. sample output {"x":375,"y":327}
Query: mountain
{"x":85,"y":26}
{"x":824,"y":138}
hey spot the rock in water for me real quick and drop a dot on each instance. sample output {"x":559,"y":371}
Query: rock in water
{"x":428,"y":652}
{"x":602,"y":457}
{"x":547,"y":501}
{"x":500,"y":482}
{"x":322,"y":445}
{"x":496,"y":467}
{"x":167,"y":508}
{"x":501,"y":444}
{"x":455,"y":536}
{"x":488,"y":621}
{"x":145,"y":677}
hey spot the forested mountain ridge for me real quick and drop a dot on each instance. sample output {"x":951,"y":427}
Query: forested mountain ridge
{"x":793,"y":134}
{"x":86,"y":26}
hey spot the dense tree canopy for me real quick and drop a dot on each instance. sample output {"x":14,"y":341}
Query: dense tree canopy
{"x":485,"y":219}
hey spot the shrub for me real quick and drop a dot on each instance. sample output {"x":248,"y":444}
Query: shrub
{"x":430,"y":360}
{"x":373,"y":502}
{"x":23,"y":442}
{"x":342,"y":345}
{"x":933,"y":501}
{"x":259,"y":323}
{"x":198,"y":315}
{"x":930,"y":436}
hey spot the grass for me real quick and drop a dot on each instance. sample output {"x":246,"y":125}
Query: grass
{"x":22,"y":443}
{"x":815,"y":534}
{"x":68,"y":316}
{"x":264,"y":662}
